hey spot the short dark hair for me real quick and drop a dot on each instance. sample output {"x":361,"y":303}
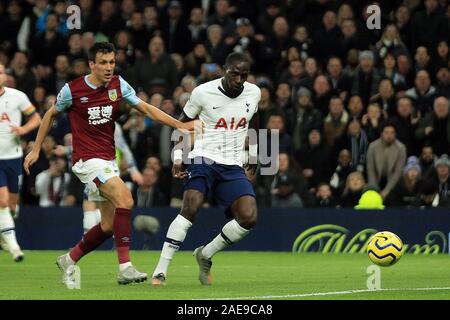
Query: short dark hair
{"x":236,"y":56}
{"x":100,"y":47}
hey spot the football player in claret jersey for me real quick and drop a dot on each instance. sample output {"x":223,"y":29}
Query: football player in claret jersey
{"x":92,"y":103}
{"x":226,"y":106}
{"x":13,"y":103}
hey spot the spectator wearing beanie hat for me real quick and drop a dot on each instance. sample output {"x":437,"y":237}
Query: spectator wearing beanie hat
{"x":405,"y":192}
{"x":442,"y":166}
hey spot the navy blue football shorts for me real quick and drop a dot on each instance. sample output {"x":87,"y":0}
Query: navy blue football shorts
{"x":226,"y":183}
{"x":10,"y":173}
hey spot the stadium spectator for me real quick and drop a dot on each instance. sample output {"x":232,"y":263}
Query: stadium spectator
{"x":110,"y":20}
{"x":385,"y":161}
{"x":435,"y":127}
{"x":311,"y":73}
{"x":405,"y":123}
{"x":175,"y":31}
{"x":313,"y":159}
{"x":283,"y":96}
{"x":46,"y":45}
{"x":22,"y":74}
{"x":324,"y":197}
{"x":222,"y":18}
{"x":277,"y":122}
{"x":355,"y":108}
{"x":389,"y":71}
{"x":197,"y":26}
{"x":321,"y":94}
{"x":443,"y":85}
{"x":194,"y":59}
{"x":372,"y":121}
{"x":355,"y":140}
{"x":390,"y":43}
{"x":429,"y":197}
{"x":303,"y":42}
{"x":328,"y":37}
{"x":340,"y":82}
{"x":353,"y":190}
{"x":215,"y":45}
{"x":51,"y":184}
{"x":427,"y":159}
{"x":366,"y":77}
{"x":423,"y":93}
{"x":302,"y":118}
{"x":287,"y":186}
{"x":141,"y":138}
{"x":343,"y":169}
{"x":385,"y":98}
{"x":407,"y":189}
{"x":156,"y":65}
{"x":429,"y":26}
{"x":442,"y":167}
{"x":335,"y":122}
{"x":148,"y":194}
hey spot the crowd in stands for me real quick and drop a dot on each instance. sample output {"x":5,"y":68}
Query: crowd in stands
{"x":356,"y":107}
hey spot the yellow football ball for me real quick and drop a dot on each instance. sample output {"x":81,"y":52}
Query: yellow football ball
{"x":385,"y":248}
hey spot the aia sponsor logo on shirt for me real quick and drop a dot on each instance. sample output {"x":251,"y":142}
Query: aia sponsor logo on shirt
{"x":233,"y":125}
{"x":99,"y":115}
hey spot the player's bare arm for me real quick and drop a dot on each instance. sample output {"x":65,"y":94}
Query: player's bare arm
{"x":46,"y":124}
{"x":252,"y":163}
{"x":160,"y":116}
{"x":33,"y":122}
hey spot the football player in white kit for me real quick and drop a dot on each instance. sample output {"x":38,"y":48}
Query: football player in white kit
{"x":226,"y":106}
{"x":12,"y":104}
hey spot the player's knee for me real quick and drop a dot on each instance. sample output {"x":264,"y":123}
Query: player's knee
{"x":247,"y":217}
{"x":125,"y":201}
{"x":189,"y":212}
{"x":191,"y":206}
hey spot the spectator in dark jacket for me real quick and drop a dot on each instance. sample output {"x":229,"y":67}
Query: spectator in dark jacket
{"x":324,"y":197}
{"x":435,"y":127}
{"x":353,"y":190}
{"x":303,"y":118}
{"x":429,"y":26}
{"x":148,"y":195}
{"x":156,"y":65}
{"x":429,"y":197}
{"x":407,"y":189}
{"x":328,"y":37}
{"x":340,"y":174}
{"x":423,"y":93}
{"x":314,"y":160}
{"x":405,"y":123}
{"x":355,"y":140}
{"x":366,"y":78}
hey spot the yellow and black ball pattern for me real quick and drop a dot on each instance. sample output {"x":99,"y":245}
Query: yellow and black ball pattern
{"x":385,"y":248}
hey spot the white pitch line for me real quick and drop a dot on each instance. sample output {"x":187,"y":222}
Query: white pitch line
{"x":331,"y":293}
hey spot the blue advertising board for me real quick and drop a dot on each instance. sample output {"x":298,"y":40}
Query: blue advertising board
{"x":296,"y":230}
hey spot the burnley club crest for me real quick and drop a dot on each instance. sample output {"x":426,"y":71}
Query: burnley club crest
{"x":112,"y":94}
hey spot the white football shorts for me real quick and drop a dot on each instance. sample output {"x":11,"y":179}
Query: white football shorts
{"x":94,"y":172}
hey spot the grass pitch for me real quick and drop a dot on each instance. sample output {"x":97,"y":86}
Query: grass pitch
{"x":243,"y":275}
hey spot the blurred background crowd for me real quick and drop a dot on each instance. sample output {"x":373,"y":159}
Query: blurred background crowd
{"x":355,"y":107}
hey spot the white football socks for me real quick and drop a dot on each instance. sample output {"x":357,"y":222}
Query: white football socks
{"x":175,"y":236}
{"x":231,"y":233}
{"x":7,"y":230}
{"x":90,"y":219}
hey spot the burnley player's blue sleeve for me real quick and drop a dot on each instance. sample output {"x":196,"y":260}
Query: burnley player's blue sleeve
{"x":64,"y":99}
{"x":128,"y":92}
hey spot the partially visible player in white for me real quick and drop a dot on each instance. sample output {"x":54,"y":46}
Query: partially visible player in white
{"x":13,"y":103}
